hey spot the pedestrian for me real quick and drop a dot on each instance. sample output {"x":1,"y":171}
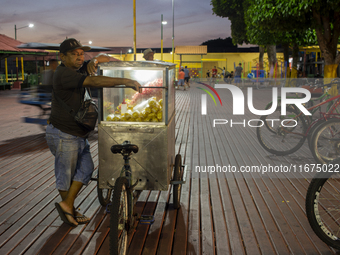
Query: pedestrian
{"x":208,"y":74}
{"x":181,"y":78}
{"x":214,"y":72}
{"x":223,"y":72}
{"x":67,"y":140}
{"x":238,"y":72}
{"x":186,"y":77}
{"x":148,"y":54}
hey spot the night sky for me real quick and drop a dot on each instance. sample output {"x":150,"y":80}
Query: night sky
{"x":110,"y":22}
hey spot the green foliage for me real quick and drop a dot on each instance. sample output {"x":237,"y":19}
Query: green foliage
{"x":234,"y":11}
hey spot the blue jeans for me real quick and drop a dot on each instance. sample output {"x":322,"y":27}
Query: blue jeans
{"x":73,"y":161}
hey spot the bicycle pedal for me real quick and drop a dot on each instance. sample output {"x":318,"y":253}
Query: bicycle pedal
{"x":107,"y":208}
{"x":147,"y":219}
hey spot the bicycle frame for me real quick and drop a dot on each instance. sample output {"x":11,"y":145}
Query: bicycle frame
{"x":127,"y":172}
{"x":325,"y":115}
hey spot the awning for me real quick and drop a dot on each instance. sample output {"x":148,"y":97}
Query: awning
{"x":55,"y":46}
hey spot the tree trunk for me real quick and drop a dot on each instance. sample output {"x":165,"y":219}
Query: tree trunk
{"x":328,"y":36}
{"x":271,"y":52}
{"x":286,"y":58}
{"x":261,"y":50}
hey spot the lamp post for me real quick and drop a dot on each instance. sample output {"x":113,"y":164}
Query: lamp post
{"x":162,"y":23}
{"x":173,"y":31}
{"x":15,"y":29}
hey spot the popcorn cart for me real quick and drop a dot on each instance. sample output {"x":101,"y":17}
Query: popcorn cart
{"x":147,"y":119}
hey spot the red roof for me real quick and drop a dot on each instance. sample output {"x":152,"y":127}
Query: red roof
{"x":8,"y":44}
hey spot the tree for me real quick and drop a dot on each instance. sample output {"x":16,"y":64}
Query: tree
{"x":323,"y":16}
{"x":220,"y":45}
{"x":234,"y":10}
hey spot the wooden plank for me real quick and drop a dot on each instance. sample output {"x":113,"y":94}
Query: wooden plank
{"x":151,"y":243}
{"x":139,"y":236}
{"x":194,"y":228}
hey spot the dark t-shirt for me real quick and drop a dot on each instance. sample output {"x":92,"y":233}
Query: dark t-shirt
{"x":68,"y":86}
{"x":238,"y":71}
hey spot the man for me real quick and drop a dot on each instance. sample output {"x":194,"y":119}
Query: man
{"x":181,"y":78}
{"x":148,"y":54}
{"x":238,"y":72}
{"x":214,"y":72}
{"x":186,"y":76}
{"x":65,"y":138}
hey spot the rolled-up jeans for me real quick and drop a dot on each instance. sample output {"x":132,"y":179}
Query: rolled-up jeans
{"x":73,"y":161}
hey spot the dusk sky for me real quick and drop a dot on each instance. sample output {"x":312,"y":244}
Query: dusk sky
{"x":110,"y":22}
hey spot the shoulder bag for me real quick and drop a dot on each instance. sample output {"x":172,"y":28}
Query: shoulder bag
{"x":87,"y":114}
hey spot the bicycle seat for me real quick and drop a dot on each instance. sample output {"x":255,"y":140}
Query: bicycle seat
{"x":125,"y":147}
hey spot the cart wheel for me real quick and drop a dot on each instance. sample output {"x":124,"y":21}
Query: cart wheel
{"x":119,"y":221}
{"x":104,"y":195}
{"x":177,"y":177}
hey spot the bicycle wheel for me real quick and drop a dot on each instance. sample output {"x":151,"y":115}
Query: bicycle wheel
{"x":119,"y":221}
{"x":177,"y":177}
{"x":322,"y":207}
{"x":311,"y":132}
{"x":326,"y":141}
{"x":282,"y":134}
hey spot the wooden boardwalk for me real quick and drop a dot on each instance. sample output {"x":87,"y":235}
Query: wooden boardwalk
{"x":221,"y":213}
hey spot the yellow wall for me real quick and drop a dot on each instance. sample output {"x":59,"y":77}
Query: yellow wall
{"x":221,"y":60}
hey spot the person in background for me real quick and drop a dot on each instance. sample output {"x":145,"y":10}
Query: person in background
{"x":186,"y":77}
{"x":148,"y":54}
{"x":229,"y":76}
{"x":181,"y":78}
{"x":214,"y":72}
{"x":238,"y":73}
{"x":66,"y":139}
{"x":208,"y":74}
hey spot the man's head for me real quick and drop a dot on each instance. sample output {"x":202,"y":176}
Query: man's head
{"x":72,"y":53}
{"x":186,"y":67}
{"x":148,"y":54}
{"x":71,"y":44}
{"x":240,"y":64}
{"x":53,"y":63}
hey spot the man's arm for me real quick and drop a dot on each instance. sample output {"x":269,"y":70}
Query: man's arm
{"x":92,"y":65}
{"x":105,"y":81}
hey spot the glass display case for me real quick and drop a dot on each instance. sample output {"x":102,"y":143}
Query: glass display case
{"x":127,"y":105}
{"x":144,"y":118}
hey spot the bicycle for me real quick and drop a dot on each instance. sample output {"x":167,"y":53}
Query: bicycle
{"x":123,"y":220}
{"x":322,"y":204}
{"x":277,"y":129}
{"x":325,"y":141}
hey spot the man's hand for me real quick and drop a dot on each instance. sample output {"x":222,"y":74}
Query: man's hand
{"x":92,"y":66}
{"x":133,"y":84}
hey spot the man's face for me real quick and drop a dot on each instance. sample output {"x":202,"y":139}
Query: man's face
{"x":73,"y":59}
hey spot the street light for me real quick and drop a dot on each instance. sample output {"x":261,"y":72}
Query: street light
{"x":173,"y":31}
{"x":163,"y":22}
{"x":15,"y":28}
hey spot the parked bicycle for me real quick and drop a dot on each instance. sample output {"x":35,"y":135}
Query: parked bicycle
{"x":123,"y":219}
{"x":277,"y":134}
{"x":322,"y":203}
